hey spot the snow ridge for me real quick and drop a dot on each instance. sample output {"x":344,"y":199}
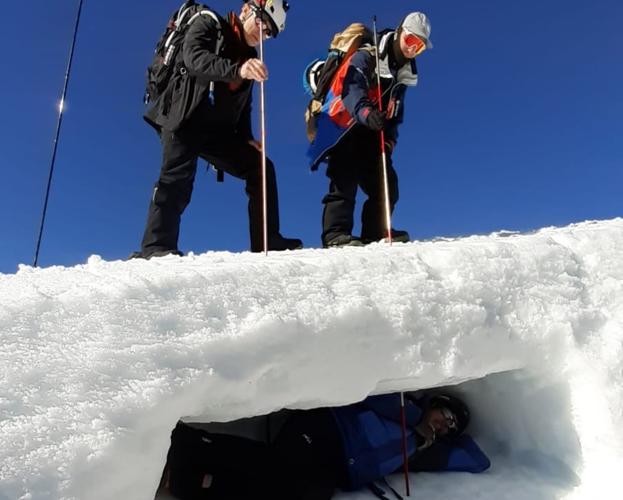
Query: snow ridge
{"x":98,"y":361}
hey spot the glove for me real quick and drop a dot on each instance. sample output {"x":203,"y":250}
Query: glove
{"x":376,"y":120}
{"x":427,"y":435}
{"x":389,"y":146}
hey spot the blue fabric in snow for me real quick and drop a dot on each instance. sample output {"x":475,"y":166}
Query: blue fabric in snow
{"x":372,"y":442}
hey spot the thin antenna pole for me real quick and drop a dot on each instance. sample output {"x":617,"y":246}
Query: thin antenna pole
{"x":405,"y":458}
{"x":388,"y":215}
{"x":263,"y":136}
{"x":61,"y":108}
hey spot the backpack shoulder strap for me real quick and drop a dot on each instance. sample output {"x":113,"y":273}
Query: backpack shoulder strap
{"x":205,"y":12}
{"x":186,"y":16}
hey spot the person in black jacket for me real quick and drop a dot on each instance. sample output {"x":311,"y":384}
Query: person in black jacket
{"x":205,"y":112}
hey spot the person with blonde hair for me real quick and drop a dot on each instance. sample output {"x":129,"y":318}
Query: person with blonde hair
{"x":347,"y":128}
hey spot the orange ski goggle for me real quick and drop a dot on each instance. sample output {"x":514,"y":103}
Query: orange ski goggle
{"x":414,"y":41}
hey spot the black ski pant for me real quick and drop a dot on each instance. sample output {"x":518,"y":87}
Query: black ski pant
{"x":207,"y":466}
{"x":172,"y":192}
{"x":357,"y":163}
{"x":310,"y":447}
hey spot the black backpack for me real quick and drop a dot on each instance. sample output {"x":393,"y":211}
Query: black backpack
{"x":169,"y":46}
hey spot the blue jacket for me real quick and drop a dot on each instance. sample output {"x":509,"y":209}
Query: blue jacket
{"x":372,"y":441}
{"x":354,"y":91}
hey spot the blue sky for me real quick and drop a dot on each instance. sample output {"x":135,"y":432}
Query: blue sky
{"x":516,"y":124}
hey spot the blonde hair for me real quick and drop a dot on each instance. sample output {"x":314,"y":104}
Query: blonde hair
{"x":351,"y":38}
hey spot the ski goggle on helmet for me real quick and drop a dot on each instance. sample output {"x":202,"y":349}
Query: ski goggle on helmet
{"x":417,"y":28}
{"x":273,"y":14}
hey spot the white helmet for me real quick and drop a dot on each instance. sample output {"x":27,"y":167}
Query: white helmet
{"x":275,"y":13}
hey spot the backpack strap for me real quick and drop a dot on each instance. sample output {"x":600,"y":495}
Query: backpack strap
{"x":181,"y":24}
{"x":205,"y":12}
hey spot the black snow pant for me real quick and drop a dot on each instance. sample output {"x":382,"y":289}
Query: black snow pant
{"x":207,"y":466}
{"x":172,"y":192}
{"x":357,"y":162}
{"x":310,"y":447}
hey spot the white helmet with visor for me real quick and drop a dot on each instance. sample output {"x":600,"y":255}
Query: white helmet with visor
{"x":273,"y":13}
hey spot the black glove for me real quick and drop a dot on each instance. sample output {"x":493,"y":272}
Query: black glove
{"x":376,"y":120}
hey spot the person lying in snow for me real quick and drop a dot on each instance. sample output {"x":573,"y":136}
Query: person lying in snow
{"x":316,"y":451}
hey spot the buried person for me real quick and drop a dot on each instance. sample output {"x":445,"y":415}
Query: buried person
{"x":316,"y":451}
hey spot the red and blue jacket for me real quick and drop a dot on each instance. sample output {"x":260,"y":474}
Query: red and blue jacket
{"x":353,"y":93}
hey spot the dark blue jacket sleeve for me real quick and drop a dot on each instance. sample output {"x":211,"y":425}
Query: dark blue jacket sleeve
{"x":388,"y":406}
{"x":360,"y":78}
{"x":357,"y":84}
{"x":458,"y":455}
{"x":466,"y":456}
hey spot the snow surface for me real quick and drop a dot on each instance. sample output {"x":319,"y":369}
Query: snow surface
{"x":99,"y":361}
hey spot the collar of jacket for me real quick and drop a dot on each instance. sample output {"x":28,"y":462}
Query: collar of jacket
{"x":406,"y":74}
{"x":236,"y":26}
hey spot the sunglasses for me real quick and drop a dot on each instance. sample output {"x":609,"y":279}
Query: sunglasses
{"x":414,"y":41}
{"x":451,"y":421}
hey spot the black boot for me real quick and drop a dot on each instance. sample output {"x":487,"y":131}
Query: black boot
{"x":398,"y":236}
{"x":279,"y":243}
{"x":343,"y":240}
{"x":156,"y":253}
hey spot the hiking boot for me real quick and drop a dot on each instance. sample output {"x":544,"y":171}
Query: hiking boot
{"x":135,"y":255}
{"x":279,"y":243}
{"x":398,"y":236}
{"x":155,"y":253}
{"x":343,"y":240}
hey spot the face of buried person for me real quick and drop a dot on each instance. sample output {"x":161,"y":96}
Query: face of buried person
{"x":441,"y":420}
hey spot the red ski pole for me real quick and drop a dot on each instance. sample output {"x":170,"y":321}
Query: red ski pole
{"x":388,"y":215}
{"x":263,"y":138}
{"x":405,"y":457}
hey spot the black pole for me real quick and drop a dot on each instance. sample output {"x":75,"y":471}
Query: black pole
{"x":58,"y":132}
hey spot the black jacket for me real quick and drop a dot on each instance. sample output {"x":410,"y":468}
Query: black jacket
{"x":226,"y":110}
